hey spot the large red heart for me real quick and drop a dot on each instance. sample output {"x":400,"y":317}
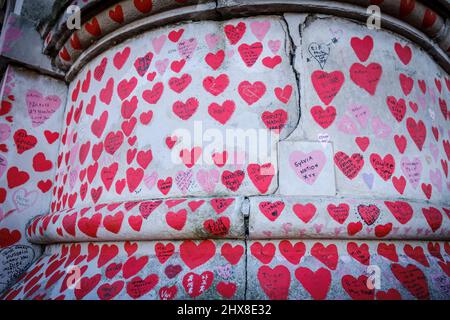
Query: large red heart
{"x":417,"y":131}
{"x":349,"y":166}
{"x":275,"y":282}
{"x":232,"y":254}
{"x":177,"y":220}
{"x":263,"y":253}
{"x":272,"y":210}
{"x":133,"y":265}
{"x":216,"y":85}
{"x":138,"y":287}
{"x":251,"y":92}
{"x":195,"y":255}
{"x":384,"y":167}
{"x":234,"y":34}
{"x":362,"y":47}
{"x":357,"y":288}
{"x":250,"y":53}
{"x":413,"y":279}
{"x":327,"y":85}
{"x":401,"y":210}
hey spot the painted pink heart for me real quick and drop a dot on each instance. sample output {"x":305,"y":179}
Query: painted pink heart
{"x":307,"y":166}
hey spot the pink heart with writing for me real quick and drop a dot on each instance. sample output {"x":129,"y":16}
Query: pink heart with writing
{"x":187,"y":47}
{"x":41,"y":108}
{"x":307,"y":166}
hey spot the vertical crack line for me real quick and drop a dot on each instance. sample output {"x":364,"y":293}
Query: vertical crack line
{"x":246,"y":207}
{"x":292,"y":56}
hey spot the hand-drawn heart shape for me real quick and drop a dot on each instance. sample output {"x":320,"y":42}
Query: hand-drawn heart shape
{"x":327,"y":85}
{"x":304,"y":212}
{"x":349,"y":166}
{"x":413,"y":279}
{"x":307,"y":166}
{"x":272,"y":210}
{"x":369,"y":213}
{"x":275,"y":282}
{"x":196,"y":284}
{"x":384,"y":167}
{"x":41,"y":108}
{"x":195,"y":255}
{"x":293,"y":253}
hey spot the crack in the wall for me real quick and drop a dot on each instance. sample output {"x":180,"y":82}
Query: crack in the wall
{"x":292,"y":57}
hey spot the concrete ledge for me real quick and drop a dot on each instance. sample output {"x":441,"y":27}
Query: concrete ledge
{"x":195,"y":218}
{"x":340,"y":270}
{"x":140,"y":270}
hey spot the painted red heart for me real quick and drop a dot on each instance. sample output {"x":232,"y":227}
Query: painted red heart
{"x":317,"y":283}
{"x":366,"y":77}
{"x":327,"y":85}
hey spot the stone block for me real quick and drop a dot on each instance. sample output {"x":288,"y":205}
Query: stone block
{"x":306,"y":168}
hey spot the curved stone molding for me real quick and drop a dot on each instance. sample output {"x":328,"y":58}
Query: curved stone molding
{"x":338,"y":270}
{"x":412,"y":19}
{"x":143,"y":220}
{"x":137,"y":270}
{"x":346,"y":218}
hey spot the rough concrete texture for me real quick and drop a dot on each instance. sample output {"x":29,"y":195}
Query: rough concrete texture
{"x":281,"y":217}
{"x":137,"y":270}
{"x":382,"y":102}
{"x":158,"y":115}
{"x":30,"y":124}
{"x":142,"y":220}
{"x":339,"y":270}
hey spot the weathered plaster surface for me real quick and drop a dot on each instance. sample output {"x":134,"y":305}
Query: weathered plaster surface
{"x":30,"y":124}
